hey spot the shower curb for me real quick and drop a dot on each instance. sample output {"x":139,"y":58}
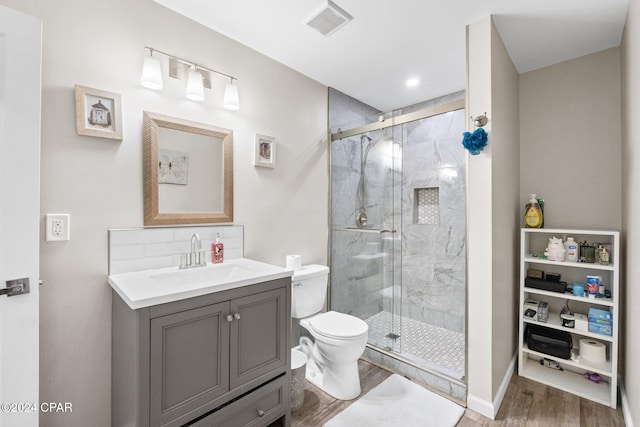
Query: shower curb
{"x":440,"y":384}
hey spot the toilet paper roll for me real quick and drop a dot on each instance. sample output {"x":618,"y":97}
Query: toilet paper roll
{"x":294,"y":262}
{"x":593,"y":351}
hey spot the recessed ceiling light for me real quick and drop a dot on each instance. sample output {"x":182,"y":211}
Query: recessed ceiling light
{"x":413,"y":82}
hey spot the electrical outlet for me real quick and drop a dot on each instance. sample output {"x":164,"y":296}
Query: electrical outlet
{"x":57,"y":227}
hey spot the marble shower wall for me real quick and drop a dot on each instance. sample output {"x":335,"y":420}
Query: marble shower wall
{"x":433,"y":255}
{"x":419,"y":271}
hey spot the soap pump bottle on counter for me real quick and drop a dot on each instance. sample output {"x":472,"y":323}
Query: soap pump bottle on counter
{"x":533,"y":213}
{"x":217,"y":251}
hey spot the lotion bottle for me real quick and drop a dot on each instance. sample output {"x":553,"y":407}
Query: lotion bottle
{"x":217,"y":251}
{"x":533,"y":213}
{"x":571,"y":248}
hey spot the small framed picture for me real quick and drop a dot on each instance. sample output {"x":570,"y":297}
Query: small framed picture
{"x":265,"y":151}
{"x":173,"y":167}
{"x":98,"y":113}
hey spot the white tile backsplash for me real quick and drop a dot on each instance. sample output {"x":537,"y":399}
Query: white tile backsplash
{"x":140,"y":235}
{"x":138,"y":249}
{"x":127,"y":252}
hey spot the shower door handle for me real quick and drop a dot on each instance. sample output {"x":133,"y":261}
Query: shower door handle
{"x":364,"y":230}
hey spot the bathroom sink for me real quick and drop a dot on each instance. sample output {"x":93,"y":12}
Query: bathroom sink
{"x":212,"y":274}
{"x":158,"y":286}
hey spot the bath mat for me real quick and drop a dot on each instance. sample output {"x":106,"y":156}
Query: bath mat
{"x":399,"y":402}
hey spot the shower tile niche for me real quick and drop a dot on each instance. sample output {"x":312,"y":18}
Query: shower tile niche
{"x":427,"y":206}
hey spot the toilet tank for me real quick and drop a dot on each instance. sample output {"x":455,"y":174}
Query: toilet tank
{"x":309,"y":290}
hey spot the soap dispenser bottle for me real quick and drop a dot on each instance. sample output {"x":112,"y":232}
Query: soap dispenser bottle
{"x":217,"y":251}
{"x":533,"y":213}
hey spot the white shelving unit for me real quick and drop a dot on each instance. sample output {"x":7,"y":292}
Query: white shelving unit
{"x":570,"y":378}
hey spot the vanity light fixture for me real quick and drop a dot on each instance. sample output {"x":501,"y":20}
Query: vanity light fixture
{"x":151,"y":72}
{"x":198,"y":77}
{"x":195,"y":88}
{"x":231,"y":99}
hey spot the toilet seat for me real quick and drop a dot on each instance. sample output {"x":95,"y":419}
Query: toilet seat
{"x":338,"y":325}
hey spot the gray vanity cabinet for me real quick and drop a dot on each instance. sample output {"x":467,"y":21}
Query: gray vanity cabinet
{"x":189,"y":354}
{"x":218,"y":359}
{"x":258,"y":346}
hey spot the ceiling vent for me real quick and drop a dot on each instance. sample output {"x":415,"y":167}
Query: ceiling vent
{"x":328,"y":19}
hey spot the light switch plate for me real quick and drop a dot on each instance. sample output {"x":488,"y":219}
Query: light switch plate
{"x":57,"y":227}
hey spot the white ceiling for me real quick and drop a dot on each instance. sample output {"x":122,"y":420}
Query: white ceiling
{"x":388,"y":42}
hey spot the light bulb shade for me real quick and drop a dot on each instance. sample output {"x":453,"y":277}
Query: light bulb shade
{"x":231,"y":99}
{"x":195,"y":89}
{"x":151,"y":73}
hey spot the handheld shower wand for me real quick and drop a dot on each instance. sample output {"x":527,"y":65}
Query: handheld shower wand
{"x":361,"y":214}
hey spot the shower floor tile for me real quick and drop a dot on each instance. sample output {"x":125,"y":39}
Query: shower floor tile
{"x":434,"y":347}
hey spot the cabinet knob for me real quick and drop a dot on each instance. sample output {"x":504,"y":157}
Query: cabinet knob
{"x":236,"y":316}
{"x":260,"y":412}
{"x":229,"y":318}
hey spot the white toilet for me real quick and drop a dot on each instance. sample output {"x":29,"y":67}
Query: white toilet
{"x":340,"y":339}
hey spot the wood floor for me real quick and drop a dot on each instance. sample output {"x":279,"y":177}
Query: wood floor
{"x":526,"y":403}
{"x":319,"y":407}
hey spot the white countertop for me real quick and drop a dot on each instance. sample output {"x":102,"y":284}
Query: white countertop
{"x":151,"y":287}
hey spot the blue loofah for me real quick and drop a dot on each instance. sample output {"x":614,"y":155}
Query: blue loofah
{"x":475,"y":142}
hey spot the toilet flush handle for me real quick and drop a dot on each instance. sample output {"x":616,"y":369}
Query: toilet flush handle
{"x":297,"y":285}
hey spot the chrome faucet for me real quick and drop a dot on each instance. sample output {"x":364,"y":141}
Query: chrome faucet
{"x":195,"y":243}
{"x":196,"y":258}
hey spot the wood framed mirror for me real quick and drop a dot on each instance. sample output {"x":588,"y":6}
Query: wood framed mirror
{"x":187,"y":171}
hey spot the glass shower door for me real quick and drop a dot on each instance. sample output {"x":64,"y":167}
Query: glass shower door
{"x":365,"y":278}
{"x":398,"y":258}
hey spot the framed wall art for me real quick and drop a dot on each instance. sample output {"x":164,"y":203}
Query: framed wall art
{"x":173,"y":167}
{"x":98,"y":113}
{"x":265,"y":151}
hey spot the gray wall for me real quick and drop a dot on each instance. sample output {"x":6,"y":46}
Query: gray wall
{"x":479,"y":215}
{"x":492,"y":221}
{"x":99,"y":182}
{"x":506,"y":222}
{"x":630,"y":205}
{"x":570,"y":141}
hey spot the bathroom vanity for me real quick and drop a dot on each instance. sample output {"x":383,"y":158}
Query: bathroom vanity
{"x":208,"y":352}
